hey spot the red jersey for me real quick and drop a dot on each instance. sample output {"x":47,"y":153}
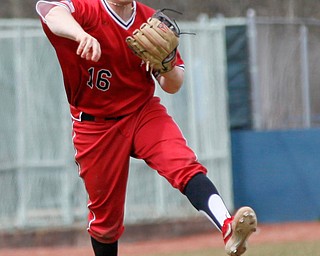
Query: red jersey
{"x":116,"y":85}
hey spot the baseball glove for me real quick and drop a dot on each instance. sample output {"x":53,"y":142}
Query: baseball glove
{"x":156,"y":42}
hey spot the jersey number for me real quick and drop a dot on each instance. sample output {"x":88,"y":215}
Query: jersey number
{"x":102,"y":82}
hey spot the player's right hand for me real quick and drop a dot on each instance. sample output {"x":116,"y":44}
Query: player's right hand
{"x":89,"y":47}
{"x":61,"y":23}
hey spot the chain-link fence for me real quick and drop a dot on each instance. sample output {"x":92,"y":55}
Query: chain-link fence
{"x":285,"y":55}
{"x":38,"y":178}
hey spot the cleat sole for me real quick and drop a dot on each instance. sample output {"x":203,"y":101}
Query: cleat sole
{"x":243,"y":225}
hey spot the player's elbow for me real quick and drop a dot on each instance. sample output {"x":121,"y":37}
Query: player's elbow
{"x":172,"y":88}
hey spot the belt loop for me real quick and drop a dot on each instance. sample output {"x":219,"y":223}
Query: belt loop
{"x":87,"y":117}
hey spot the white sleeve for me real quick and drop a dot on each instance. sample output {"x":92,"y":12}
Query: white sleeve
{"x":43,"y":7}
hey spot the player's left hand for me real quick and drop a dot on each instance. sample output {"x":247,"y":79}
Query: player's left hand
{"x":156,"y":42}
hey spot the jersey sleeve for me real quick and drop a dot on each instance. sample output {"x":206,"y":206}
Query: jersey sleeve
{"x":179,"y":62}
{"x":43,"y":7}
{"x":83,"y":11}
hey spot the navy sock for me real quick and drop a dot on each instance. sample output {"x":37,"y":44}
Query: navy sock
{"x":101,"y":249}
{"x":198,"y":190}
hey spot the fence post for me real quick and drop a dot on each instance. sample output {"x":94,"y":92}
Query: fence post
{"x":253,"y":60}
{"x":305,"y":82}
{"x":20,"y":106}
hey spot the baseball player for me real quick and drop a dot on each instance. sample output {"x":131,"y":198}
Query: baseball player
{"x":109,"y":52}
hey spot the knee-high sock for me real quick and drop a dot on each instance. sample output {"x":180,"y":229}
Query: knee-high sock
{"x":204,"y":196}
{"x":101,"y":249}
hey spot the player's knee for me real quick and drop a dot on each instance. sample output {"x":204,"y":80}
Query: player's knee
{"x":106,"y":235}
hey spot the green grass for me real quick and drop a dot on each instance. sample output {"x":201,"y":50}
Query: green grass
{"x":282,"y":249}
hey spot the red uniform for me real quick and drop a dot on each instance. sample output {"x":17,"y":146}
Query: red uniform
{"x":129,"y":120}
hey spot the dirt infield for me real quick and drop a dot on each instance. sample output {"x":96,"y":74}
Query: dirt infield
{"x":274,"y":233}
